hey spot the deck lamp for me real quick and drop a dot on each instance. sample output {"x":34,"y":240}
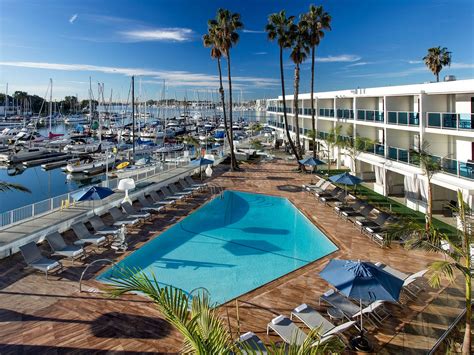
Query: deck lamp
{"x":125,"y":185}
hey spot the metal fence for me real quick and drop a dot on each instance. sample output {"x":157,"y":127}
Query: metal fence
{"x":49,"y":205}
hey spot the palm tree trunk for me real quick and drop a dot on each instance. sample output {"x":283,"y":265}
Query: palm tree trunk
{"x":296,"y":109}
{"x":429,"y":207}
{"x":221,"y":91}
{"x":233,"y":162}
{"x":282,"y":77}
{"x":313,"y":119}
{"x":466,"y":345}
{"x":437,"y":77}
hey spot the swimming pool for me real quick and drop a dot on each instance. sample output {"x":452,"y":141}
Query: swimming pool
{"x":231,"y":245}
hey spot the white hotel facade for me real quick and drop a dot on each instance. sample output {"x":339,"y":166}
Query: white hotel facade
{"x":396,"y":119}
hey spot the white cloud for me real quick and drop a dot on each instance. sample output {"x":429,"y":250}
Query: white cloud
{"x":159,"y":34}
{"x":339,"y":58}
{"x":462,"y":66}
{"x":172,"y":77}
{"x":358,"y":64}
{"x":415,"y":61}
{"x":252,"y":31}
{"x":73,"y":18}
{"x":401,"y":73}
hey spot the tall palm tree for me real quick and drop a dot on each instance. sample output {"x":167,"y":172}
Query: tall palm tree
{"x":299,"y":52}
{"x":430,"y":166}
{"x":8,"y":186}
{"x":197,"y":320}
{"x":318,"y":21}
{"x":333,"y":140}
{"x":228,"y":24}
{"x":212,"y":39}
{"x":436,"y":59}
{"x":456,"y":253}
{"x":279,"y":28}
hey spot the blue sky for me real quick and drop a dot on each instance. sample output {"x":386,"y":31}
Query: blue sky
{"x":372,"y":43}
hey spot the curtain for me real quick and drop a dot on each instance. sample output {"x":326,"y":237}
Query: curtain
{"x":423,"y":188}
{"x":379,"y":175}
{"x":411,"y":188}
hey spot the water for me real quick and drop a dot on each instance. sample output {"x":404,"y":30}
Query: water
{"x":231,"y":246}
{"x":46,"y":184}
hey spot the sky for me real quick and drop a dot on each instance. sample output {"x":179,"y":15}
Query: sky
{"x":372,"y":43}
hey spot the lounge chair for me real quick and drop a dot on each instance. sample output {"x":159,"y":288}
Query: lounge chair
{"x":191,"y":182}
{"x":323,"y":187}
{"x":35,"y":260}
{"x":340,"y":197}
{"x":374,"y":313}
{"x":379,"y":221}
{"x":311,"y":318}
{"x":312,"y":188}
{"x":357,"y":205}
{"x":324,"y":190}
{"x":169,"y":196}
{"x":148,"y":206}
{"x":132,"y":212}
{"x":250,"y":343}
{"x":158,"y":200}
{"x":120,"y":218}
{"x":340,"y":302}
{"x":59,"y":246}
{"x":175,"y":191}
{"x":85,"y":237}
{"x":409,"y":281}
{"x":333,"y":195}
{"x":287,"y":330}
{"x":362,"y":213}
{"x":101,"y":228}
{"x":187,"y":187}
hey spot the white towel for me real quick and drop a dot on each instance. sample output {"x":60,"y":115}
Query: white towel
{"x":278,"y":319}
{"x":301,"y":308}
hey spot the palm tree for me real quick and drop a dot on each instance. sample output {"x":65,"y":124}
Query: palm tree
{"x":317,"y":20}
{"x":197,"y":320}
{"x":212,"y":39}
{"x":7,"y":186}
{"x":333,"y":140}
{"x":430,"y":166}
{"x":354,"y":145}
{"x":279,"y":28}
{"x":228,"y":24}
{"x":299,"y":52}
{"x":456,"y":253}
{"x":436,"y":59}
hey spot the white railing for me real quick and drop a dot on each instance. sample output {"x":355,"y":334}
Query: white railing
{"x":36,"y":209}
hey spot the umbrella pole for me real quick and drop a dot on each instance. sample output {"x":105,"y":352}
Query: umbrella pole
{"x":361,"y":324}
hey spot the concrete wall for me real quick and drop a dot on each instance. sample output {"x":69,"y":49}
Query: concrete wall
{"x":367,"y":103}
{"x":463,"y":103}
{"x":399,"y":103}
{"x":400,"y":139}
{"x":344,"y":103}
{"x":436,"y":103}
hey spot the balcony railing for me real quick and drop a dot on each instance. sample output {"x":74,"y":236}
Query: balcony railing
{"x":370,"y":115}
{"x":346,"y":114}
{"x":326,"y":112}
{"x":450,"y":120}
{"x":374,"y":148}
{"x":401,"y":155}
{"x":404,"y":118}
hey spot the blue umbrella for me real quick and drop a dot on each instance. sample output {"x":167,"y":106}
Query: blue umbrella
{"x":311,"y":162}
{"x":363,"y":281}
{"x":92,"y":193}
{"x":346,"y":179}
{"x":201,"y":162}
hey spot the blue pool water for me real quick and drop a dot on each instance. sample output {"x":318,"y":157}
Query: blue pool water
{"x":231,"y":245}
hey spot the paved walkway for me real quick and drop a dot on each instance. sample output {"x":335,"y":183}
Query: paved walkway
{"x":52,"y":316}
{"x":38,"y":227}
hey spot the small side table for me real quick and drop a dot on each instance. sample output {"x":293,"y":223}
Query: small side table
{"x":335,"y":314}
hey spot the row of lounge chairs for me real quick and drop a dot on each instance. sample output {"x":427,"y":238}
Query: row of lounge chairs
{"x":291,"y":333}
{"x":366,"y":217}
{"x":106,"y":234}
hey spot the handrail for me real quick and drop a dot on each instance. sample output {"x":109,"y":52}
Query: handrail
{"x":87,"y":267}
{"x":447,"y":332}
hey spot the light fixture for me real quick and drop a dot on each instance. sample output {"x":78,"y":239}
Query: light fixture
{"x":125,"y":185}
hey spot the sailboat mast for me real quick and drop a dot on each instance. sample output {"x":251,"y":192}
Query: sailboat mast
{"x":50,"y":102}
{"x":90,"y":99}
{"x":6,"y":102}
{"x":133,"y":115}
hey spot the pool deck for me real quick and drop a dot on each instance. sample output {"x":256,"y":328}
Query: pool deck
{"x":53,"y":316}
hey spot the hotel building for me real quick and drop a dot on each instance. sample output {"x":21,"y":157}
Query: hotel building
{"x":396,"y":120}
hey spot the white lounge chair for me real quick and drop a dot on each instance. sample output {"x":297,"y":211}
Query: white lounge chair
{"x":250,"y":343}
{"x":132,"y":212}
{"x":59,"y":247}
{"x":101,"y":228}
{"x":35,"y":260}
{"x":85,"y":237}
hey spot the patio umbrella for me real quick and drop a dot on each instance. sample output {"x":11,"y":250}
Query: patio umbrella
{"x":201,"y":162}
{"x":346,"y":179}
{"x":363,"y":281}
{"x":92,"y":193}
{"x":311,"y":162}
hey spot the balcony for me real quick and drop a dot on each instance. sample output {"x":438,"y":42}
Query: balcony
{"x":326,"y":112}
{"x":374,"y":148}
{"x":450,"y":120}
{"x":370,"y":115}
{"x":404,"y":118}
{"x":401,"y":155}
{"x":307,"y":111}
{"x":346,"y":114}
